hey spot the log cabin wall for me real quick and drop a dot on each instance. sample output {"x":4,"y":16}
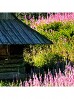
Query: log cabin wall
{"x":11,"y":61}
{"x":16,"y":49}
{"x":11,"y":50}
{"x":3,"y":50}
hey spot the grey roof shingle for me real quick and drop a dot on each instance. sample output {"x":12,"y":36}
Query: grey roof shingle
{"x":14,"y":31}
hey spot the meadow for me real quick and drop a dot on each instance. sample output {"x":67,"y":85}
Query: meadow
{"x":59,"y":28}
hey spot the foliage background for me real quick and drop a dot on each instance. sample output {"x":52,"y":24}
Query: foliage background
{"x":59,"y":28}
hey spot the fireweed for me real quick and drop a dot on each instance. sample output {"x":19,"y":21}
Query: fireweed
{"x":59,"y":79}
{"x":58,"y":17}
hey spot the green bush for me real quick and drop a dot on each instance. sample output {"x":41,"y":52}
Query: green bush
{"x":62,"y":36}
{"x":39,"y":60}
{"x":52,"y":26}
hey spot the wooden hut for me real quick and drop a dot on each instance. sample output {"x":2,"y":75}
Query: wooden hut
{"x":14,"y":34}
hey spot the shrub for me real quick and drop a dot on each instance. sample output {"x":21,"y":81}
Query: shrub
{"x":59,"y":28}
{"x":39,"y":60}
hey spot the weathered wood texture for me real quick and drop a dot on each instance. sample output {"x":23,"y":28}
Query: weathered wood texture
{"x":11,"y":61}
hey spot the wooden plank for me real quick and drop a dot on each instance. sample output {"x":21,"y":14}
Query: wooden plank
{"x":11,"y":75}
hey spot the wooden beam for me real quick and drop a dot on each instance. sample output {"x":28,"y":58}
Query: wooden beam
{"x":8,"y":52}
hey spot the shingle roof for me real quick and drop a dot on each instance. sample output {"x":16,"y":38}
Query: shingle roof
{"x":14,"y":31}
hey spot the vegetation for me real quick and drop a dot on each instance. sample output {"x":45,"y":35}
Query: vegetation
{"x":59,"y":28}
{"x":46,"y":80}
